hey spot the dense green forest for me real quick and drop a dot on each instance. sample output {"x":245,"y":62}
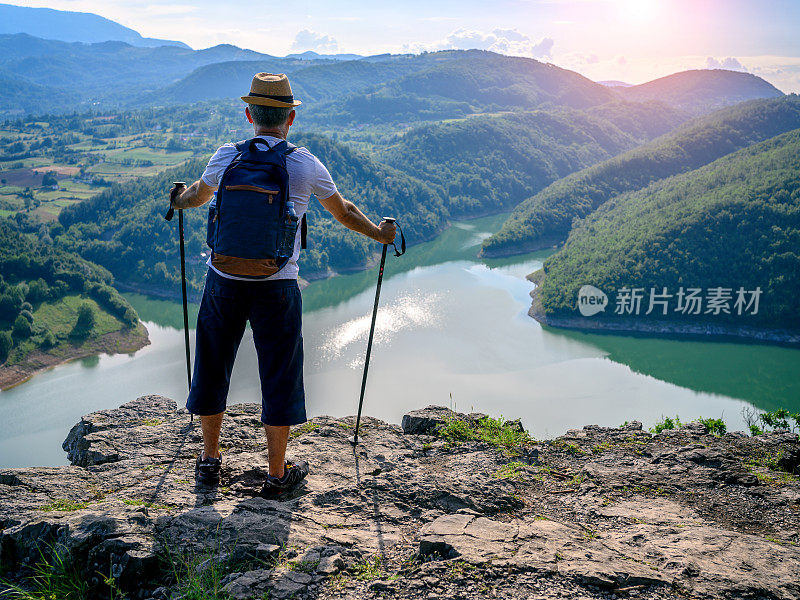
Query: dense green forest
{"x":546,"y":218}
{"x":488,"y":164}
{"x":50,"y":297}
{"x":734,"y":223}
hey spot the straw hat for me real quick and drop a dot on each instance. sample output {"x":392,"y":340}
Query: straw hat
{"x":269,"y":89}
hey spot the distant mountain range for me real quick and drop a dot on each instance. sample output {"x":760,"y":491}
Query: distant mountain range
{"x":311,"y":55}
{"x":56,"y":76}
{"x":702,"y":91}
{"x":69,"y":26}
{"x":58,"y":61}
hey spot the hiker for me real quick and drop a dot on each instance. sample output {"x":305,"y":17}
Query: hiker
{"x":239,"y":287}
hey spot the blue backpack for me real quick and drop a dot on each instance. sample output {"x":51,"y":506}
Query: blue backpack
{"x":252,"y":224}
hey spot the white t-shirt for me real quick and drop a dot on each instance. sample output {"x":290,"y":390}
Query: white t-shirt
{"x":307,"y":175}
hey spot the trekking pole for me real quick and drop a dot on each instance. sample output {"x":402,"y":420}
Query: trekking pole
{"x":354,"y":439}
{"x":168,"y":217}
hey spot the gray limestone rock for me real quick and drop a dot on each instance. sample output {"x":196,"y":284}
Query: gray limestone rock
{"x":600,"y":510}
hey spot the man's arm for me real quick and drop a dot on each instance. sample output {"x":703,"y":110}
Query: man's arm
{"x":196,"y":194}
{"x":348,"y":215}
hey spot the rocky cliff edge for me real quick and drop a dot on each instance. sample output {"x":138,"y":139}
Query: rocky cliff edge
{"x":433,"y":509}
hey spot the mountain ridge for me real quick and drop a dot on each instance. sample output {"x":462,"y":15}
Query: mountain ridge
{"x":71,"y":26}
{"x":546,"y":218}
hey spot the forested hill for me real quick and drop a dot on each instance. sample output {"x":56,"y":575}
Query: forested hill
{"x":43,"y":291}
{"x":732,"y":224}
{"x":702,"y":91}
{"x":404,"y":88}
{"x":546,"y":218}
{"x":124,"y":229}
{"x":487,"y":164}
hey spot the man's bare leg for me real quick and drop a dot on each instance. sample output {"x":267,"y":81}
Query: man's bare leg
{"x":277,"y":438}
{"x":211,"y":425}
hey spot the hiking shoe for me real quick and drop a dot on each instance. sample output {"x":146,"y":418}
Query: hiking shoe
{"x":206,"y":470}
{"x":294,"y":473}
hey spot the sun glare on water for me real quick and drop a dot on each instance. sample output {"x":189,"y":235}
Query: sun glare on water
{"x":411,"y":310}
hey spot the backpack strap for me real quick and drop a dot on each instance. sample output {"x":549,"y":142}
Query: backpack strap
{"x":282,"y":146}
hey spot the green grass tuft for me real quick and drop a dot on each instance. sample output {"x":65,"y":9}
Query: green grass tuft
{"x":515,"y":471}
{"x":64,"y":505}
{"x":495,"y":432}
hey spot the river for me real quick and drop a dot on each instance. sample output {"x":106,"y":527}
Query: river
{"x":452,"y":330}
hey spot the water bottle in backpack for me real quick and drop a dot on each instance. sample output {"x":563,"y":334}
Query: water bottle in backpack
{"x":288,"y":231}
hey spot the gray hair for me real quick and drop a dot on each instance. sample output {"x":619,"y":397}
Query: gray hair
{"x":269,"y":116}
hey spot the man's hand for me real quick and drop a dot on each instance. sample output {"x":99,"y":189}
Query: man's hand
{"x":388,"y":230}
{"x":175,"y":194}
{"x":196,"y":194}
{"x":348,"y":215}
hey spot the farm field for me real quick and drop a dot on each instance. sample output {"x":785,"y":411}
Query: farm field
{"x":46,"y":165}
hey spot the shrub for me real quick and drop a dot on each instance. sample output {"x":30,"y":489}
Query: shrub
{"x":6,"y":343}
{"x":9,"y":307}
{"x":666,"y":423}
{"x":111,"y":299}
{"x":85,"y":323}
{"x":38,"y":292}
{"x":715,"y":426}
{"x":22,"y":328}
{"x":762,"y":422}
{"x":27,"y":314}
{"x":779,"y":419}
{"x":48,"y":340}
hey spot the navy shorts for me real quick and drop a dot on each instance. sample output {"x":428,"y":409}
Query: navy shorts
{"x":274,"y":309}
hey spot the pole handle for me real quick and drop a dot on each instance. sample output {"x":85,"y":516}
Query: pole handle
{"x":172,"y":193}
{"x":402,"y":238}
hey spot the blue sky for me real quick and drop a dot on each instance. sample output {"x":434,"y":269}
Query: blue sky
{"x":631,"y":40}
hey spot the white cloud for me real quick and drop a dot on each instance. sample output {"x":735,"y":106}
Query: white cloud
{"x":503,"y":41}
{"x":730,"y":63}
{"x":311,"y":40}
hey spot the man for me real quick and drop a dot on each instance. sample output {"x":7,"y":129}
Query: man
{"x":272,"y":304}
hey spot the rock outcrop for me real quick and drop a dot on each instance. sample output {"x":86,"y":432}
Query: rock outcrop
{"x":596,"y":513}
